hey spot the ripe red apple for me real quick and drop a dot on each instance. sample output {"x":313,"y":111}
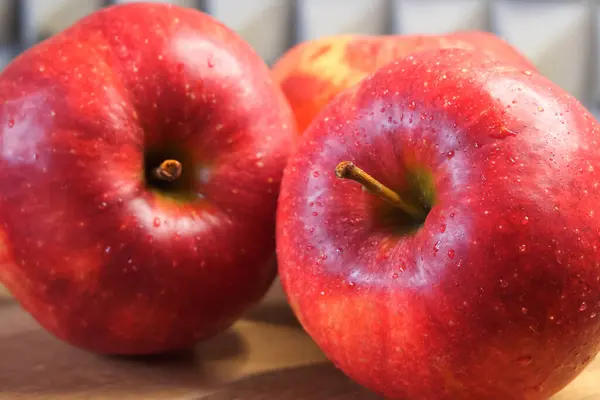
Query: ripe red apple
{"x":313,"y":72}
{"x":106,"y":249}
{"x":470,"y":268}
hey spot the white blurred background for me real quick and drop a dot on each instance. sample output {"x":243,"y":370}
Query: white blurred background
{"x":560,"y":36}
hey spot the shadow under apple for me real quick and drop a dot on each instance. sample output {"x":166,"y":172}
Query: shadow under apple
{"x":320,"y":381}
{"x":34,"y":361}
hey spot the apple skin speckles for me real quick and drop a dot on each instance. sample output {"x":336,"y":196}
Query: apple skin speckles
{"x":495,"y":295}
{"x":80,"y":116}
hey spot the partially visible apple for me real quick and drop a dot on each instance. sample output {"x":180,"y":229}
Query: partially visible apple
{"x":470,"y":269}
{"x":313,"y":72}
{"x":104,"y":247}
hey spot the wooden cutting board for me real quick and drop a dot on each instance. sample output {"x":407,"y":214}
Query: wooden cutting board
{"x":265,"y":356}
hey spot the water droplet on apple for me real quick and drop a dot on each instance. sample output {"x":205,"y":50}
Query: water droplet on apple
{"x":316,"y":174}
{"x":524,"y":310}
{"x":156,"y":222}
{"x":123,"y":52}
{"x":210,"y":63}
{"x":451,"y":253}
{"x":514,"y":101}
{"x":504,"y":132}
{"x":412,"y":105}
{"x":129,"y":260}
{"x":395,"y":275}
{"x":527,"y":72}
{"x":541,"y":109}
{"x":522,"y":248}
{"x":450,"y":154}
{"x":524,"y":360}
{"x":102,"y":205}
{"x":583,"y":306}
{"x":451,"y":215}
{"x":442,"y":228}
{"x":525,"y":220}
{"x":107,"y":249}
{"x":593,"y":315}
{"x":436,"y":247}
{"x":11,"y":123}
{"x":503,"y":283}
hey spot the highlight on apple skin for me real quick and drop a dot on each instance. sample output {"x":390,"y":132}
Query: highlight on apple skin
{"x":141,"y":153}
{"x":313,"y":72}
{"x":495,"y":293}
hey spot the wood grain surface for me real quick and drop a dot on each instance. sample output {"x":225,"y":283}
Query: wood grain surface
{"x":265,"y":356}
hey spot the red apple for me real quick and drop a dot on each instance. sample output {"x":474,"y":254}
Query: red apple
{"x":103,"y":251}
{"x":472,"y":268}
{"x":315,"y":71}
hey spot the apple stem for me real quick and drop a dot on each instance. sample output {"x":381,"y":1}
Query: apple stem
{"x":347,"y":170}
{"x":168,"y":170}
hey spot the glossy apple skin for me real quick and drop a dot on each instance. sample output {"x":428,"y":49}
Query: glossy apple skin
{"x":313,"y":72}
{"x":497,"y":295}
{"x":100,"y":260}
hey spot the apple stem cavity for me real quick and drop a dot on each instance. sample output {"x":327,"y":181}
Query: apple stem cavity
{"x":347,"y":170}
{"x":168,"y":170}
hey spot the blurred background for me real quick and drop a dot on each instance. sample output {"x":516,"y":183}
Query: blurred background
{"x":562,"y":37}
